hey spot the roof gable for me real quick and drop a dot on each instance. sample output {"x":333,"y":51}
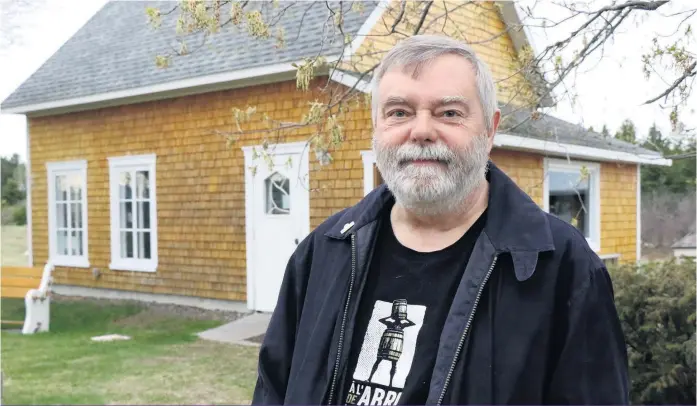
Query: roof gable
{"x":493,"y":30}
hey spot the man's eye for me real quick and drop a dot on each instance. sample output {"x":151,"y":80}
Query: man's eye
{"x":397,"y":113}
{"x":451,"y":113}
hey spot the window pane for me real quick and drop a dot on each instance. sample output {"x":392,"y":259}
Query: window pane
{"x":62,"y":243}
{"x":78,"y":241}
{"x":61,"y":188}
{"x":74,"y":185}
{"x":567,"y":181}
{"x":143,"y":242}
{"x":62,"y":215}
{"x":277,"y":194}
{"x":125,"y":185}
{"x":126,"y":216}
{"x":143,"y":215}
{"x":75,"y":215}
{"x":569,"y":198}
{"x":126,"y":244}
{"x":143,"y":185}
{"x":146,"y":245}
{"x":75,"y":245}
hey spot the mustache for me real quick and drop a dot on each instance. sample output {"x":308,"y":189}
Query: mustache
{"x":414,"y":152}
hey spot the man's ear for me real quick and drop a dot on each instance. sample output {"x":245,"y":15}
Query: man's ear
{"x":494,"y":127}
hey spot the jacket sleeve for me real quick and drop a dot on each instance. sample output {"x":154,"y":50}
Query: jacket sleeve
{"x":592,"y":366}
{"x":276,"y":352}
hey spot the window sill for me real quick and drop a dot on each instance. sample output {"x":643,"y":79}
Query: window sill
{"x":133,"y":266}
{"x":595,"y":245}
{"x":610,"y":259}
{"x":73,"y":262}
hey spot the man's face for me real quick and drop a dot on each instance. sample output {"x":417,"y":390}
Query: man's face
{"x":430,"y":139}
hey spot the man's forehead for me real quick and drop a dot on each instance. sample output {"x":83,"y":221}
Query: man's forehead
{"x":396,"y":83}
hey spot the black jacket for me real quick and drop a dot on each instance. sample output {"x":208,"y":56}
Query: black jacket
{"x":533,"y":320}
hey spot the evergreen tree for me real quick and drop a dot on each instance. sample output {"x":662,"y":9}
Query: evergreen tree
{"x":627,"y":132}
{"x":677,"y":178}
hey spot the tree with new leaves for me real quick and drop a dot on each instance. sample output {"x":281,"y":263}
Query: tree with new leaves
{"x":592,"y":27}
{"x":13,"y":182}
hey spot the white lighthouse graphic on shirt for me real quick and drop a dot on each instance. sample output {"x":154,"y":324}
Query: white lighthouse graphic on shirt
{"x":387,"y":353}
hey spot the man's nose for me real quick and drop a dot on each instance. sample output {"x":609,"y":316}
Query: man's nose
{"x":423,"y":129}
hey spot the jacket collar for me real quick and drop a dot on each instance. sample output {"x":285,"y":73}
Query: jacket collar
{"x":515,"y":223}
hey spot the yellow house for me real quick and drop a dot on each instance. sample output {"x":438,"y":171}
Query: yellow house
{"x":133,"y":194}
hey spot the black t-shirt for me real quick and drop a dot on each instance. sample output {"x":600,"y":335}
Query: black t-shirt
{"x":403,"y":309}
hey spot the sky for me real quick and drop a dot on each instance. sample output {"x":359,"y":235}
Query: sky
{"x":608,"y":93}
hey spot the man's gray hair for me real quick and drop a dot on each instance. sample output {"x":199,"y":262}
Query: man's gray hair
{"x":416,"y":51}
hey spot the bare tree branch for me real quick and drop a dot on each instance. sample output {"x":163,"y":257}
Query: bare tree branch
{"x":688,"y":73}
{"x":424,"y":13}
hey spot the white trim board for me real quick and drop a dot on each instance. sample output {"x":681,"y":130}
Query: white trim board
{"x":28,"y":185}
{"x":63,"y":168}
{"x":365,"y":29}
{"x":132,"y":163}
{"x":228,"y":80}
{"x":638,"y":213}
{"x":558,"y":149}
{"x":350,"y":81}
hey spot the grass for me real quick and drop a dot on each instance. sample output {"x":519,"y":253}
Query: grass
{"x":163,"y":363}
{"x":13,"y":245}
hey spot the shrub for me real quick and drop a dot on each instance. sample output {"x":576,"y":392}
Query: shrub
{"x":19,"y":215}
{"x":656,"y":305}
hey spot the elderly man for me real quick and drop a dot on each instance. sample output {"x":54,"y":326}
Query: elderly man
{"x":449,"y":273}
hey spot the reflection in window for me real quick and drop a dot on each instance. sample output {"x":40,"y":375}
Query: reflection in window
{"x":569,"y":198}
{"x":68,"y":204}
{"x":277,"y":194}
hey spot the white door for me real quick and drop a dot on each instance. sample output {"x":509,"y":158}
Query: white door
{"x":280,"y":219}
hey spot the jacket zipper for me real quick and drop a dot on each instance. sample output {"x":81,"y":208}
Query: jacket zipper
{"x":464,"y":333}
{"x":343,"y":320}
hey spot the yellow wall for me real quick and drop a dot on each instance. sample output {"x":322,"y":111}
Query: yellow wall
{"x":618,"y":206}
{"x":199,"y":185}
{"x":526,"y":169}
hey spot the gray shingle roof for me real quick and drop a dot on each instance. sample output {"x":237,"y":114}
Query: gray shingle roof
{"x":550,"y":128}
{"x":115,"y":50}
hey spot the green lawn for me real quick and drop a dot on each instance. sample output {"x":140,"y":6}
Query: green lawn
{"x":13,"y":244}
{"x":164,"y":363}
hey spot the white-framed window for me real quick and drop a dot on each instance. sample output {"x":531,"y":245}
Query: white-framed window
{"x":133,"y":213}
{"x":572,"y":193}
{"x":67,"y":213}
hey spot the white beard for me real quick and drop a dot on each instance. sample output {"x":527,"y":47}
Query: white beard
{"x":432,"y":190}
